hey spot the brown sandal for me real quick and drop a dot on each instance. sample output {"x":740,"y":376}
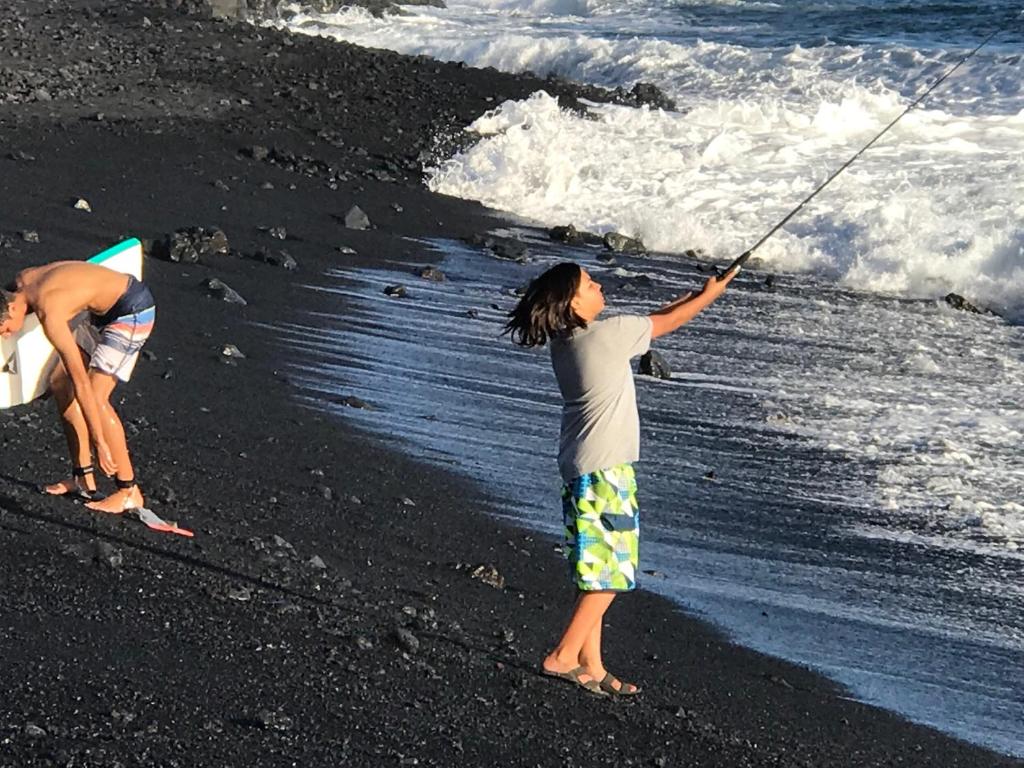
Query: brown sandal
{"x":573,"y":676}
{"x":608,"y":682}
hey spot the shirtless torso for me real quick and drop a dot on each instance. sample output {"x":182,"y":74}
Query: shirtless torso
{"x":64,"y":288}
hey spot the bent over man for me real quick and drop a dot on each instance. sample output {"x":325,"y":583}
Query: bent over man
{"x":97,"y":320}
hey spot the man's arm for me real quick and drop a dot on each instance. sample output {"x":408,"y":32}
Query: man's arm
{"x":59,"y":333}
{"x":687,"y":307}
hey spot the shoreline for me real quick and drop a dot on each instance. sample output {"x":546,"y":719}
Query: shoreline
{"x":112,"y":658}
{"x":449,"y":391}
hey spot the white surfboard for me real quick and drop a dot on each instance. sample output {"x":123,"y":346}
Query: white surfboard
{"x":27,"y":358}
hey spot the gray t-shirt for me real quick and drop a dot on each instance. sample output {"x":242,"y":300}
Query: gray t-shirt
{"x":600,"y":423}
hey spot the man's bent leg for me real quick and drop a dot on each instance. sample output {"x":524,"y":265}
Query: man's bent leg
{"x":75,"y":432}
{"x":127,"y":496}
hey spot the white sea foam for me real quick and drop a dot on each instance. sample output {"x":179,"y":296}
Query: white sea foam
{"x":537,"y":7}
{"x":913,"y":217}
{"x":927,"y":398}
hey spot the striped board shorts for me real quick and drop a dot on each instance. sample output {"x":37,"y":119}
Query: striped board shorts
{"x":602,"y":529}
{"x":114,"y":348}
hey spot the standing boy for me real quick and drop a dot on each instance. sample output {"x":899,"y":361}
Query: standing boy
{"x":600,"y":440}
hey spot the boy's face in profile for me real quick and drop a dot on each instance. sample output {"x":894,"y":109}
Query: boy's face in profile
{"x":589,"y":299}
{"x":13,"y":319}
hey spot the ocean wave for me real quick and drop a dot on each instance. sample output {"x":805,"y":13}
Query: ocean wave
{"x":681,"y":49}
{"x":914,"y":216}
{"x":537,"y":7}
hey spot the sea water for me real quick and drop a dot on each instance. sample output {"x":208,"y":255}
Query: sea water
{"x":772,"y":98}
{"x":834,"y":474}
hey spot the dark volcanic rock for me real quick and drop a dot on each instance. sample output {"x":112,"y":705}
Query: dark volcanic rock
{"x":281,"y":259}
{"x":226,"y":9}
{"x":489,"y":575}
{"x":502,"y":247}
{"x":259,"y":10}
{"x":192,"y":245}
{"x":431,"y":273}
{"x":956,"y":301}
{"x":317,"y":563}
{"x":512,"y":250}
{"x":649,"y":95}
{"x":351,"y":401}
{"x":567,"y":234}
{"x":619,"y":243}
{"x":406,"y":640}
{"x":356,"y":218}
{"x":218,"y":289}
{"x":622,"y":281}
{"x":572,"y":236}
{"x":654,"y":364}
{"x":107,"y":555}
{"x":295,"y":163}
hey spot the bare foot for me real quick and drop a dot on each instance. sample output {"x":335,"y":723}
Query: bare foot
{"x":570,"y":670}
{"x":71,"y":486}
{"x":119,"y":501}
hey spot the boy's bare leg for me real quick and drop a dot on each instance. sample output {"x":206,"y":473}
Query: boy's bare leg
{"x":113,"y":432}
{"x":75,"y":431}
{"x":588,"y":612}
{"x":590,"y":657}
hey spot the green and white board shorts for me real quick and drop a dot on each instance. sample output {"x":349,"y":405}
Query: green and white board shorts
{"x":602,"y":529}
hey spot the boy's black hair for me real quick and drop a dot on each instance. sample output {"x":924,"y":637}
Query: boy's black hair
{"x":6,"y":297}
{"x":546,"y":308}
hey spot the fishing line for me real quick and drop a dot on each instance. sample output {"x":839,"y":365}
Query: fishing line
{"x":741,"y":260}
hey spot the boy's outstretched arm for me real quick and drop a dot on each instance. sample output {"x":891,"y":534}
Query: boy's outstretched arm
{"x":685,"y":308}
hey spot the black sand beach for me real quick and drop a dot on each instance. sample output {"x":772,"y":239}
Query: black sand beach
{"x":326,"y":612}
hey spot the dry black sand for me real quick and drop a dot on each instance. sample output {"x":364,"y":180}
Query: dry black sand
{"x":124,"y":647}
